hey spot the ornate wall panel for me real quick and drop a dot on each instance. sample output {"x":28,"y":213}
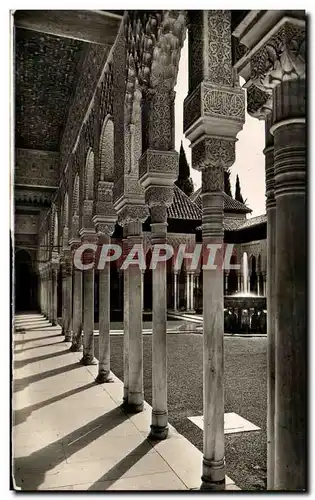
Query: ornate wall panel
{"x":34,"y":167}
{"x":26,"y":224}
{"x":90,"y":73}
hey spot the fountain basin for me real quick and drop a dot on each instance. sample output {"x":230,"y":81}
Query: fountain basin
{"x":245,"y":313}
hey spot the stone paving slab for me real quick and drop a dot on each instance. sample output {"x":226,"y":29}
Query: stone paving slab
{"x":72,"y":434}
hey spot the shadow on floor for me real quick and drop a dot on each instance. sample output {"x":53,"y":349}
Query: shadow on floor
{"x":20,"y":416}
{"x":121,"y":467}
{"x":24,"y":362}
{"x":29,"y":471}
{"x":21,"y":383}
{"x":33,"y":339}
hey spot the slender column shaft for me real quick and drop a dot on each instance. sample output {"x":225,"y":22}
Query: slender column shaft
{"x":192,"y":292}
{"x":159,"y":427}
{"x":77,"y":310}
{"x":271,"y":300}
{"x":291,"y":332}
{"x":64,"y":301}
{"x":54,"y":297}
{"x":50,"y":315}
{"x":104,"y":321}
{"x":135,"y":382}
{"x":68,"y":306}
{"x":126,"y":328}
{"x":175,"y":292}
{"x":88,"y":317}
{"x":187,"y":290}
{"x":213,"y":319}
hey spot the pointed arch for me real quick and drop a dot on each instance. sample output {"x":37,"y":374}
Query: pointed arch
{"x":106,"y":151}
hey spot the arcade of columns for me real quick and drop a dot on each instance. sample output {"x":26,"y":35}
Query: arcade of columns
{"x":135,"y":176}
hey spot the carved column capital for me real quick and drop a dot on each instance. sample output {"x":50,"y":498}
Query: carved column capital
{"x":213,"y":152}
{"x":282,"y":57}
{"x":132,"y":213}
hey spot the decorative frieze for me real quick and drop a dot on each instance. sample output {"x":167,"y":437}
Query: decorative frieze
{"x":215,"y":102}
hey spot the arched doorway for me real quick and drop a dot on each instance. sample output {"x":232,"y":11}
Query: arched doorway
{"x":25,"y":283}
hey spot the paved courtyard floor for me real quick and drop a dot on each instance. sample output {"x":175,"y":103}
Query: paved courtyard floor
{"x":245,"y":365}
{"x":72,"y":434}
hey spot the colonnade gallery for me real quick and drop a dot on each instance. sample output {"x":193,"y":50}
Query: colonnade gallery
{"x":95,"y":164}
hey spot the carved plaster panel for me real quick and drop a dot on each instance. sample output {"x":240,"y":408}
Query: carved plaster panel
{"x":34,"y":167}
{"x":219,"y":47}
{"x":26,"y":224}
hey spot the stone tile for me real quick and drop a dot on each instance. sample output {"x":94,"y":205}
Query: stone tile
{"x":66,"y":475}
{"x":233,"y":423}
{"x":167,"y":481}
{"x":104,"y":447}
{"x":183,"y":458}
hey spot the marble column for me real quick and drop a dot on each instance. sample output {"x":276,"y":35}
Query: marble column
{"x":271,"y":299}
{"x":77,"y":303}
{"x":54,"y":296}
{"x":88,"y":318}
{"x":192,"y":309}
{"x":135,"y":378}
{"x":67,"y":326}
{"x":213,"y":319}
{"x":175,"y":275}
{"x":126,"y":321}
{"x":63,"y":295}
{"x":159,"y":425}
{"x":50,"y":303}
{"x":289,"y":133}
{"x":187,"y":294}
{"x":159,"y":161}
{"x":104,"y":233}
{"x":212,"y":134}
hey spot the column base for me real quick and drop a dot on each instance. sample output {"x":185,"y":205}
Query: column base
{"x":190,"y":311}
{"x":103,"y":377}
{"x":75,"y":348}
{"x":132,"y":407}
{"x":88,"y":361}
{"x":213,"y":477}
{"x":158,"y":433}
{"x":212,"y":486}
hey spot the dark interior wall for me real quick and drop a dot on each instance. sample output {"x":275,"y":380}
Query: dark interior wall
{"x":25,"y":282}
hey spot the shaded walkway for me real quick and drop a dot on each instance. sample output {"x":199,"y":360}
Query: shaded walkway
{"x":70,"y":433}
